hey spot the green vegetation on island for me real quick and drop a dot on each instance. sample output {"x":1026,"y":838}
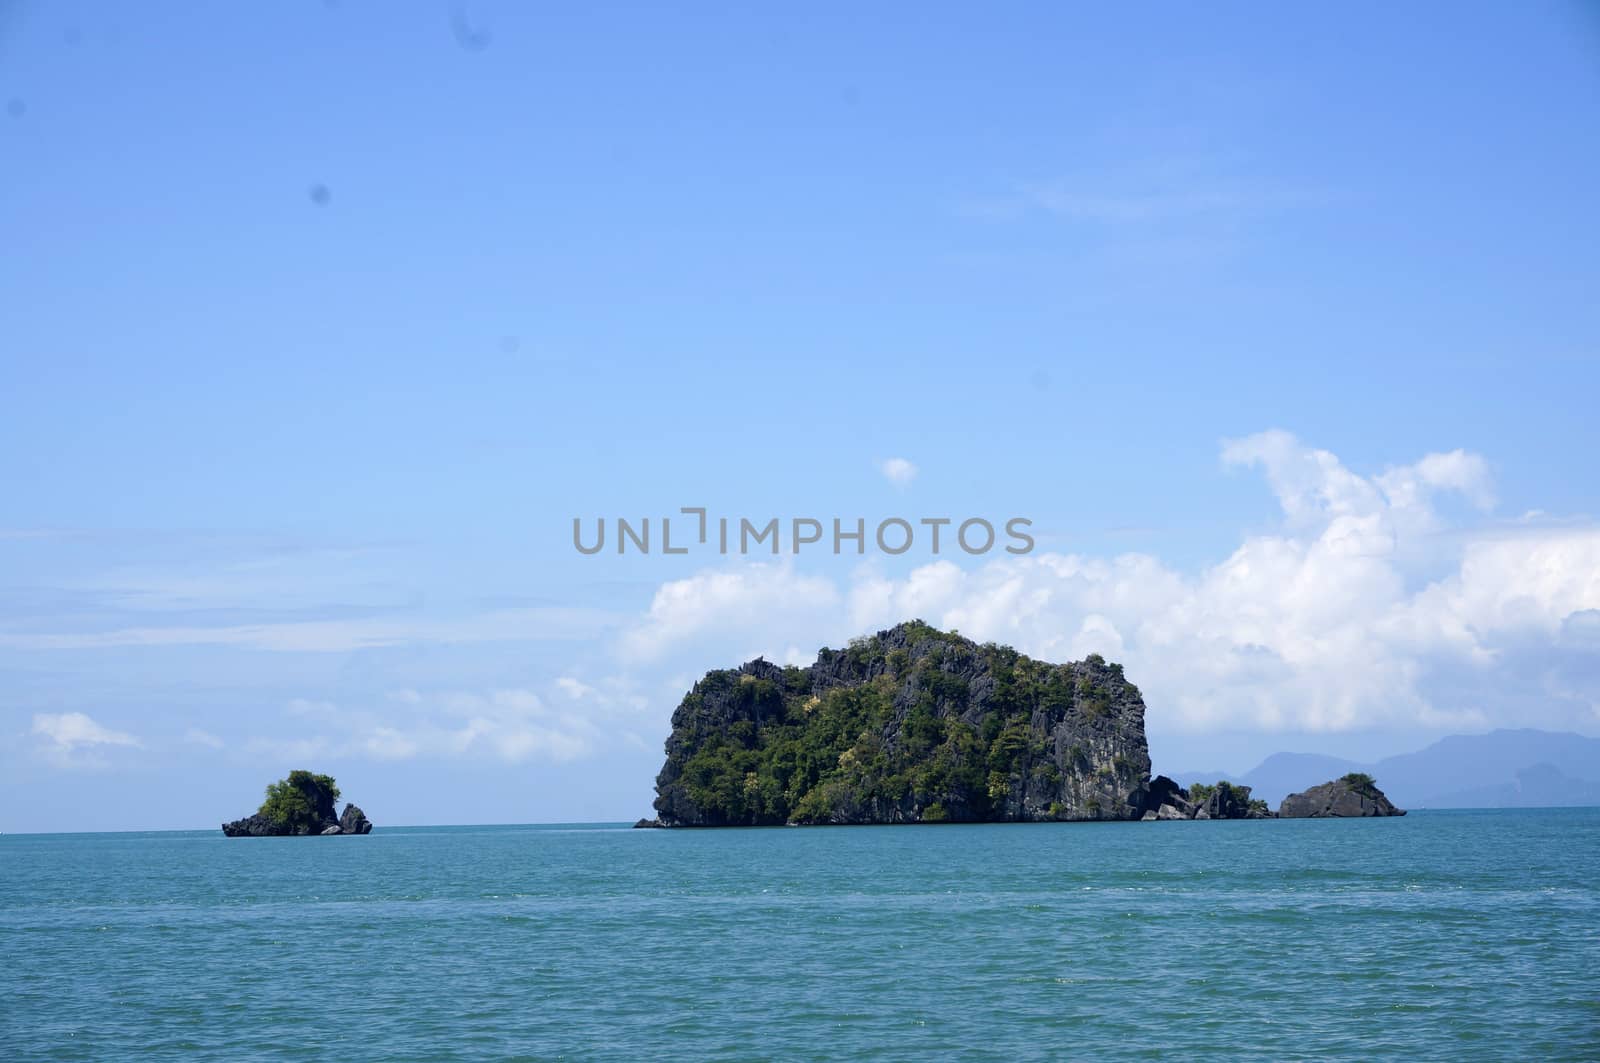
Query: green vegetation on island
{"x":1221,"y":800}
{"x":303,"y":803}
{"x":918,"y":725}
{"x":913,"y":724}
{"x":293,"y":803}
{"x":1228,"y":797}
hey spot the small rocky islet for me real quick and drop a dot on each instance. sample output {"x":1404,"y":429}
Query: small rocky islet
{"x":301,"y":805}
{"x":919,"y":725}
{"x":1353,"y":795}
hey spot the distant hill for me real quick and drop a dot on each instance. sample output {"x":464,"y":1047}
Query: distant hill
{"x":1502,"y":769}
{"x":1282,"y":774}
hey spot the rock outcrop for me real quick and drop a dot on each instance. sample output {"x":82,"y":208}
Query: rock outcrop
{"x":911,"y":725}
{"x":255,"y":826}
{"x":300,"y":805}
{"x":1167,"y":800}
{"x":917,"y":725}
{"x":1354,"y":795}
{"x":1232,"y":801}
{"x":1225,"y":800}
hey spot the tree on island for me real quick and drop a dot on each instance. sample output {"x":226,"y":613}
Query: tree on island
{"x":1236,"y":800}
{"x":300,"y":803}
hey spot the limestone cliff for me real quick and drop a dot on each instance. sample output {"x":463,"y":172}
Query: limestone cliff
{"x":911,"y":725}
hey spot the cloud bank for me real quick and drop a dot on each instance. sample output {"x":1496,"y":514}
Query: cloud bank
{"x":1391,"y":601}
{"x":1340,"y":619}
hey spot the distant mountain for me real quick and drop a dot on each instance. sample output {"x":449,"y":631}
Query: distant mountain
{"x":1437,"y":776}
{"x":1502,"y":769}
{"x":1282,"y":774}
{"x":1541,"y":786}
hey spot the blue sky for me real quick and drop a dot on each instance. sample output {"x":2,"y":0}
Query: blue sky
{"x":320,"y":322}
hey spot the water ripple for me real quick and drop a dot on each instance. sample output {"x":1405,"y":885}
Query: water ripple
{"x":1440,"y":936}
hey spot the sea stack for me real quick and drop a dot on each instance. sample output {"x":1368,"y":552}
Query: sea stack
{"x":1354,"y":795}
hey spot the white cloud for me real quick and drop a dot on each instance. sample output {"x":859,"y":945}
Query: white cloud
{"x":1382,"y":513}
{"x":336,"y":636}
{"x":898,"y":471}
{"x":69,"y":733}
{"x":1339,"y":620}
{"x":514,"y":725}
{"x":742,"y":606}
{"x":196,"y":737}
{"x":1367,"y":607}
{"x":72,"y":729}
{"x":1466,"y":474}
{"x":1312,"y":485}
{"x":388,"y":743}
{"x":511,"y":724}
{"x":575,"y":689}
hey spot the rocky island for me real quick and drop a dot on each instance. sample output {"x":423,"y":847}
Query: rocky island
{"x":911,"y":725}
{"x":1225,"y":800}
{"x":918,"y":725}
{"x":300,"y":805}
{"x":1356,"y":794}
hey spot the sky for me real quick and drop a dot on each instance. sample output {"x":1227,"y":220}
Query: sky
{"x":320,"y":323}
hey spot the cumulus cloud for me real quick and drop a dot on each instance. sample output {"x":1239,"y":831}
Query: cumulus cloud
{"x":1394,"y":509}
{"x":1466,"y":474}
{"x":726,"y":605}
{"x":1393,"y":598}
{"x":1339,"y":619}
{"x":898,"y":471}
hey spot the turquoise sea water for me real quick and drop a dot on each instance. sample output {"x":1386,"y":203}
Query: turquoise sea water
{"x":1443,"y":935}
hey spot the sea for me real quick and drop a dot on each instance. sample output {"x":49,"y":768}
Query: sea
{"x":1443,"y":935}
